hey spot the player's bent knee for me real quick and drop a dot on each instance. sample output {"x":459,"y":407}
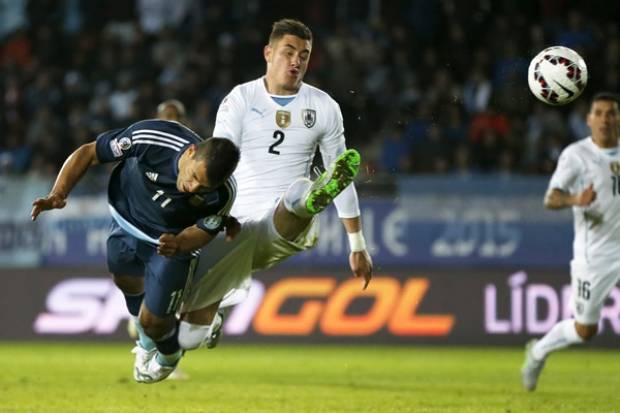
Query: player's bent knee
{"x":191,"y":336}
{"x":129,"y":284}
{"x":155,"y":327}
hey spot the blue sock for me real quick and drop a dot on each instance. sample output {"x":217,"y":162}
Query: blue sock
{"x":168,"y":345}
{"x":169,"y":359}
{"x":145,"y":341}
{"x":134,"y":301}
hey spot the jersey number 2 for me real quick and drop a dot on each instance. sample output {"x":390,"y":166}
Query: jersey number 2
{"x":279,"y":135}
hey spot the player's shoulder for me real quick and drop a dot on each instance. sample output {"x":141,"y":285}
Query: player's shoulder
{"x":166,"y":128}
{"x":578,"y":148}
{"x":315,"y":93}
{"x":246,"y":90}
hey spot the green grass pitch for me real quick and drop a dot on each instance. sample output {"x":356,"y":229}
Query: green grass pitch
{"x":65,"y":378}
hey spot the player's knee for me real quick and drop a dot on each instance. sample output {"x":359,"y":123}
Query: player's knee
{"x":191,"y":336}
{"x":129,"y":284}
{"x":586,"y":331}
{"x":155,"y":331}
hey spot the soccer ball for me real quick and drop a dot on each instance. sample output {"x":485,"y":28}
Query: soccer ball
{"x":557,"y":75}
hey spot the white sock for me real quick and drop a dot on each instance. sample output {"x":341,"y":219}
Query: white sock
{"x":562,"y":335}
{"x":191,"y":336}
{"x":295,"y":198}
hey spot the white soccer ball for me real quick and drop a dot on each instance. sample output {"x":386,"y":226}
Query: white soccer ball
{"x":557,"y":75}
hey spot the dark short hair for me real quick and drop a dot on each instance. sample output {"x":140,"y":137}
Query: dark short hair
{"x":289,"y":26}
{"x":221,"y":156}
{"x":606,"y":96}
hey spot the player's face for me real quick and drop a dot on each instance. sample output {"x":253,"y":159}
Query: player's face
{"x":604,"y":122}
{"x":192,"y":174}
{"x":287,"y":61}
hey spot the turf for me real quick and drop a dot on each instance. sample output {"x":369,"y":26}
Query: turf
{"x":64,"y":378}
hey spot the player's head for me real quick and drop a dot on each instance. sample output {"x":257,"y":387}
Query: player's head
{"x":171,"y":109}
{"x":207,"y":165}
{"x":287,"y":54}
{"x":604,"y":117}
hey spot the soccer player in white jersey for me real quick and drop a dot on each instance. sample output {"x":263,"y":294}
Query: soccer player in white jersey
{"x":278,"y":122}
{"x":587,"y":178}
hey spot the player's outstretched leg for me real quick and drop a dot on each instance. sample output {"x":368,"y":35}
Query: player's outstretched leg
{"x":303,"y":199}
{"x":530,"y":372}
{"x":333,"y":181}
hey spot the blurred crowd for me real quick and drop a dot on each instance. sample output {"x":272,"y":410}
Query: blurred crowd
{"x":425,"y":86}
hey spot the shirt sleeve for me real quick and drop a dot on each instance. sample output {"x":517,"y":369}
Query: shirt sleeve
{"x":331,"y":145}
{"x":229,"y":119}
{"x":211,"y":224}
{"x":566,"y":172}
{"x":114,"y":145}
{"x":215,"y":223}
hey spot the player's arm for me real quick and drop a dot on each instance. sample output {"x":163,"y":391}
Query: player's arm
{"x":186,"y":241}
{"x":331,"y":145}
{"x":568,"y":169}
{"x":109,"y":146}
{"x":70,"y":174}
{"x":195,"y":237}
{"x":199,"y":235}
{"x":556,"y":198}
{"x":359,"y":258}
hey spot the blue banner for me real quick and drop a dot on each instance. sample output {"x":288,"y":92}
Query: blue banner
{"x":410,"y":233}
{"x":440,"y":222}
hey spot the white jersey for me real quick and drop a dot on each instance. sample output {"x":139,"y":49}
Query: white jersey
{"x":581,"y":164}
{"x":278,"y":143}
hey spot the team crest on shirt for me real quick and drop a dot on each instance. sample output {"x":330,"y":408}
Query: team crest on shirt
{"x":283,"y":118}
{"x":118,"y":146}
{"x":615,"y":167}
{"x":213,"y":222}
{"x":309,"y":117}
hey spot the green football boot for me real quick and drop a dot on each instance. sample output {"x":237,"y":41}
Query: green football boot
{"x":333,"y":181}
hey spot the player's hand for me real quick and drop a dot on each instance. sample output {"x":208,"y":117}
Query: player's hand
{"x":168,"y":245}
{"x":587,"y":196}
{"x":232,"y":227}
{"x":361,"y":266}
{"x":52,"y":201}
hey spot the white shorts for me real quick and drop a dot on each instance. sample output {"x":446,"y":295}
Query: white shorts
{"x":591,"y":284}
{"x":223,"y":266}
